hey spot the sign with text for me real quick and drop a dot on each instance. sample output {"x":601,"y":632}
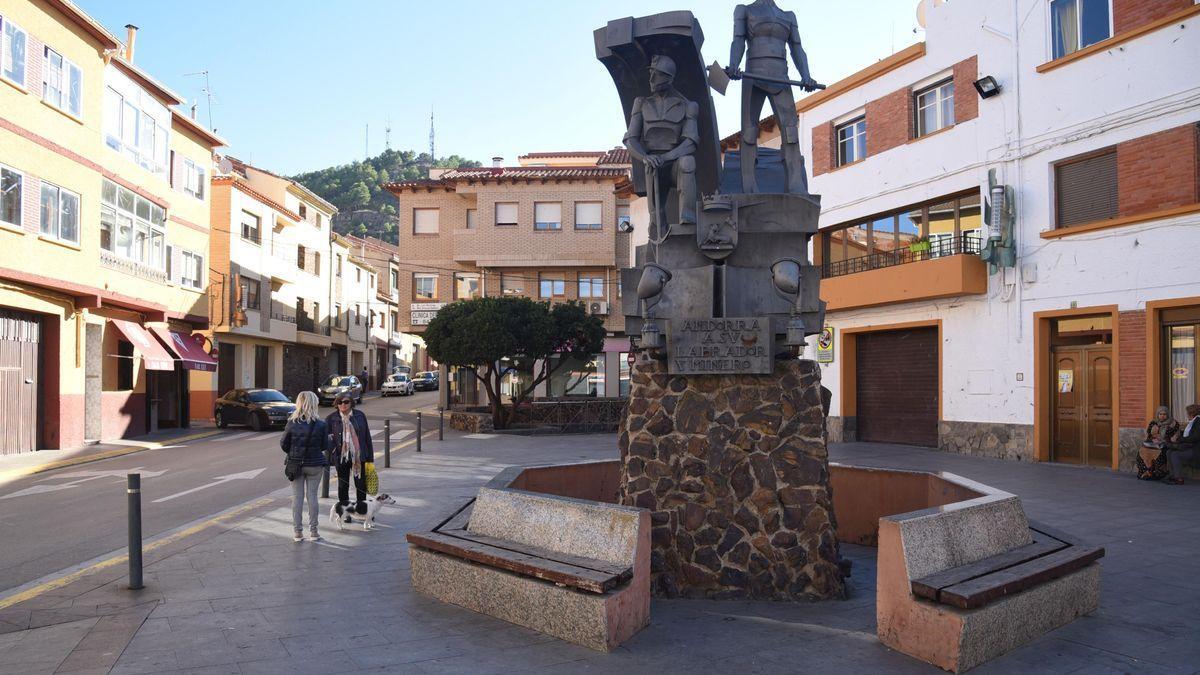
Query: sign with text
{"x":720,"y":346}
{"x":421,"y":313}
{"x":825,"y":345}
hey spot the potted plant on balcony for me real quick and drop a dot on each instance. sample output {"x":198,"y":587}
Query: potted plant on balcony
{"x":919,"y":245}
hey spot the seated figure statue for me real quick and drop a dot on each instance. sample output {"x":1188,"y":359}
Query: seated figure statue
{"x":663,"y":134}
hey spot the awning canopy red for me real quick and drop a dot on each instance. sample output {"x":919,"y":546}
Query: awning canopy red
{"x":152,"y":353}
{"x":189,"y":350}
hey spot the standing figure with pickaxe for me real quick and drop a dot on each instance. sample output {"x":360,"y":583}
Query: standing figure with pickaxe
{"x":769,"y":32}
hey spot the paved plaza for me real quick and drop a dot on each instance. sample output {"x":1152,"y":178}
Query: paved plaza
{"x":240,"y":597}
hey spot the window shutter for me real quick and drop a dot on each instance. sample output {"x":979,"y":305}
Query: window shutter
{"x":587,"y":213}
{"x":506,"y":213}
{"x":176,"y":270}
{"x":1086,"y":190}
{"x":425,"y":221}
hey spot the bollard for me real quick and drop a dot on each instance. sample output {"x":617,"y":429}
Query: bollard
{"x":387,"y":444}
{"x":418,"y":432}
{"x":325,"y":483}
{"x":133,"y":489}
{"x":441,"y":423}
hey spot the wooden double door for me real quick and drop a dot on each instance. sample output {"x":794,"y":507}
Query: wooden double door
{"x":1083,"y":401}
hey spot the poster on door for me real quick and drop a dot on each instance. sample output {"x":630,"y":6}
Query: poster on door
{"x":1066,"y":381}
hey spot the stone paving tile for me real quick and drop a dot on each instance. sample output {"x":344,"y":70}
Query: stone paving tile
{"x":42,"y":650}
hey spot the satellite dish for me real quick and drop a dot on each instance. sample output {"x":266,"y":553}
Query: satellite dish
{"x":225,"y":165}
{"x":921,"y":13}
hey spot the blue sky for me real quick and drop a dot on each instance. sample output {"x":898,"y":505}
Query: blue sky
{"x":296,"y":82}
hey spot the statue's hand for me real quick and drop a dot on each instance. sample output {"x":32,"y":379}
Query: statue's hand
{"x":655,"y":161}
{"x":733,"y":72}
{"x":808,"y":84}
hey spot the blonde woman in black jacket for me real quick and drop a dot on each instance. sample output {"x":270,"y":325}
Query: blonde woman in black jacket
{"x":306,"y":438}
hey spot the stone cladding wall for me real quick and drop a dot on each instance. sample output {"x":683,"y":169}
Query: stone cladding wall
{"x":735,"y":472}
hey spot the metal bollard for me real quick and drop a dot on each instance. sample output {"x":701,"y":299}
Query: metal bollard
{"x":441,"y":423}
{"x":387,"y":444}
{"x":418,"y":432}
{"x":325,"y":483}
{"x":133,"y":489}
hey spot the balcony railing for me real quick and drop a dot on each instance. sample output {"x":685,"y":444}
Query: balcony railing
{"x":306,"y":323}
{"x":137,"y":269}
{"x":964,"y":244}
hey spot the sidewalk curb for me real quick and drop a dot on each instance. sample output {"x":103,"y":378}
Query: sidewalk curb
{"x":136,"y":446}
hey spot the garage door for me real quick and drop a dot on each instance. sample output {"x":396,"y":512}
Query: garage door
{"x":897,"y":378}
{"x":20,"y":335}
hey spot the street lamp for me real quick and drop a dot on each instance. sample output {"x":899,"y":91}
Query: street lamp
{"x":987,"y":86}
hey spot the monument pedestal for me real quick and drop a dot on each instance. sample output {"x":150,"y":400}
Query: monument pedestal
{"x":735,"y":472}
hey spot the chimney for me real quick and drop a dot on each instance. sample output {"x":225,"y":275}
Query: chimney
{"x":130,"y":38}
{"x":194,"y":111}
{"x":497,"y":162}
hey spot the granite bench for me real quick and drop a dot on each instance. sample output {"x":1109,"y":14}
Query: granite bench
{"x":962,"y":583}
{"x":572,"y":568}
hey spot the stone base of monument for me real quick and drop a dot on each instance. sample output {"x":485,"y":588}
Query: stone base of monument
{"x":735,"y":472}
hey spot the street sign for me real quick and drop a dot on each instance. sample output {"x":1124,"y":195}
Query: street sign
{"x":825,"y":345}
{"x":421,"y":313}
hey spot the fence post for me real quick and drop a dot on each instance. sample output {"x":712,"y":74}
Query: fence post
{"x":133,"y":489}
{"x":418,"y":431}
{"x":441,"y":423}
{"x":387,"y":444}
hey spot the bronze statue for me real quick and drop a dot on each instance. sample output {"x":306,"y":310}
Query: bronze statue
{"x":770,"y":32}
{"x":663,"y":134}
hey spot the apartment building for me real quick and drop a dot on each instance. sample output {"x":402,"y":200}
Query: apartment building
{"x":545,"y":229}
{"x":393,"y":348}
{"x":1088,"y":113}
{"x":278,"y":283}
{"x":104,"y":227}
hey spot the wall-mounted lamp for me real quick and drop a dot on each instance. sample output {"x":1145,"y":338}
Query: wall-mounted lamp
{"x":987,"y":86}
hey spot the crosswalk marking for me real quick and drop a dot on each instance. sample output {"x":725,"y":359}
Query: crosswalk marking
{"x":233,"y":437}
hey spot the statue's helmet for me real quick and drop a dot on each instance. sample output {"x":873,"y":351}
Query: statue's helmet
{"x":663,"y":64}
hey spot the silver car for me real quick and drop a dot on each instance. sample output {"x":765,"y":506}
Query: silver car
{"x":338,"y":385}
{"x":398,"y":384}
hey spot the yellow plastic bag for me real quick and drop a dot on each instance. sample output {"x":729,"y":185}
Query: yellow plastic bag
{"x":371,"y":478}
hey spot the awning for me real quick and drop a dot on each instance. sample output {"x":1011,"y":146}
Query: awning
{"x":152,"y":353}
{"x":187,"y":348}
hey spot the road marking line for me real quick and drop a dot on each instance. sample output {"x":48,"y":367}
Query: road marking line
{"x":481,"y":436}
{"x":402,"y":434}
{"x":130,"y":448}
{"x":233,"y":437}
{"x":67,"y":579}
{"x":219,"y":480}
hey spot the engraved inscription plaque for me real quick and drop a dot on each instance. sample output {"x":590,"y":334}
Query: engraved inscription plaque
{"x":719,"y":346}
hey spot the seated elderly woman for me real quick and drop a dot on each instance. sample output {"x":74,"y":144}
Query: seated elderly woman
{"x":1152,"y":459}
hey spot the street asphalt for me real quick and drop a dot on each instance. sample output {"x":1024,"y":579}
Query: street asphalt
{"x":58,"y":519}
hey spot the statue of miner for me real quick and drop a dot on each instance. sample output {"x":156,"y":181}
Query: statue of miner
{"x":663,"y":133}
{"x":769,"y":32}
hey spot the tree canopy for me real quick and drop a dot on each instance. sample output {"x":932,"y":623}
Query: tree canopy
{"x":495,"y":336}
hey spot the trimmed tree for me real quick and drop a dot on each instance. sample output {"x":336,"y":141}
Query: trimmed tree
{"x":484,"y":333}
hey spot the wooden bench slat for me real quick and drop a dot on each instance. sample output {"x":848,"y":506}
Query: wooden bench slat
{"x":929,"y":586}
{"x":520,"y":563}
{"x":614,"y":569}
{"x":979,"y":591}
{"x":1064,"y":537}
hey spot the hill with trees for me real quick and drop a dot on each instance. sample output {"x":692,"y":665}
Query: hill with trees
{"x":364,"y":207}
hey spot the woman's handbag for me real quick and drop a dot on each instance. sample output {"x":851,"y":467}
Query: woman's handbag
{"x":292,"y":465}
{"x":371,"y":478}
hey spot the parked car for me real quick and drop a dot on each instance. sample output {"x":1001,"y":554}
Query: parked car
{"x":260,"y":408}
{"x":426,"y":381}
{"x":399,"y":384}
{"x":338,"y":385}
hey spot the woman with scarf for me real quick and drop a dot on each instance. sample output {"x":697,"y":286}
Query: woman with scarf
{"x":1152,"y":458}
{"x":351,"y":442}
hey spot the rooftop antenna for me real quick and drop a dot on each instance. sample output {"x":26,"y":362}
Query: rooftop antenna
{"x":432,"y":154}
{"x":387,"y":134}
{"x":207,"y":91}
{"x":367,"y":142}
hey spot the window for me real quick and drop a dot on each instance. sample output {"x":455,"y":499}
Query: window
{"x":124,"y":365}
{"x":337,"y":315}
{"x":132,"y":227}
{"x":425,"y":221}
{"x":551,"y":285}
{"x":358,"y":274}
{"x":935,"y":108}
{"x":357,"y":314}
{"x":623,"y":376}
{"x":12,"y":56}
{"x":547,"y":216}
{"x":319,"y":221}
{"x":587,"y":215}
{"x":303,"y":212}
{"x":852,"y":141}
{"x":251,"y":227}
{"x":577,"y":377}
{"x":1085,"y":190}
{"x":337,"y":270}
{"x":300,"y":256}
{"x":466,"y":285}
{"x":395,"y":278}
{"x":192,"y":272}
{"x":62,"y":83}
{"x":193,"y":179}
{"x":11,"y":187}
{"x":506,"y":213}
{"x":316,"y":263}
{"x":395,"y":322}
{"x":133,"y":124}
{"x":249,"y":291}
{"x":591,"y":285}
{"x":512,"y":284}
{"x":424,"y":286}
{"x":60,"y":213}
{"x":1075,"y":24}
{"x":622,"y":215}
{"x":470,"y":219}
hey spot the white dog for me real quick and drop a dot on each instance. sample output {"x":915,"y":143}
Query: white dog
{"x":338,"y":515}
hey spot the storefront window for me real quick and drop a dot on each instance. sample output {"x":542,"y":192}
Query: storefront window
{"x":578,"y":377}
{"x":624,"y":377}
{"x":1181,"y":369}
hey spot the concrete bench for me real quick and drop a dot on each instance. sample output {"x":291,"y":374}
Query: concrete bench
{"x":962,"y":583}
{"x":575,"y":569}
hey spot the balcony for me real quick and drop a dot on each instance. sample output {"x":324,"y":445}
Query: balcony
{"x":133,"y":268}
{"x":950,"y":267}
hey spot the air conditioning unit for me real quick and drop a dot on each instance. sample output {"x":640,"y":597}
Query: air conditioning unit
{"x":600,"y":308}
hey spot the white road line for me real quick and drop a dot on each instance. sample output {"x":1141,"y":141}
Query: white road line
{"x":403,"y":433}
{"x":233,"y":437}
{"x":481,"y":436}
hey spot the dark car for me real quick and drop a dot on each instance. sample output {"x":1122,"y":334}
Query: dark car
{"x":338,"y":385}
{"x":426,"y":381}
{"x":260,"y":408}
